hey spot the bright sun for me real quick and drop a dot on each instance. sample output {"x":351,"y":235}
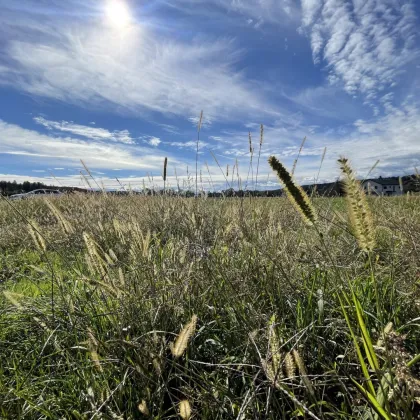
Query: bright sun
{"x":118,"y":13}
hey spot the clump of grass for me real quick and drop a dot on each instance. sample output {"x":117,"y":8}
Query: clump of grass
{"x":294,"y":192}
{"x":360,"y":215}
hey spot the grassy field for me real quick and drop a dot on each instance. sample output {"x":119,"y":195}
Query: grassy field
{"x":165,"y":307}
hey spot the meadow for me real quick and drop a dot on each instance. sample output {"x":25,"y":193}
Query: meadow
{"x":127,"y":307}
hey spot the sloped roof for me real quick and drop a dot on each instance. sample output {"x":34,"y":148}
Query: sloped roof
{"x":384,"y":181}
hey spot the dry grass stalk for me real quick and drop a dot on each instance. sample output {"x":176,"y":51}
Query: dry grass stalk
{"x":200,"y":122}
{"x":181,"y":343}
{"x":360,"y":215}
{"x":297,"y":158}
{"x":185,"y":409}
{"x":259,"y":154}
{"x":294,"y":192}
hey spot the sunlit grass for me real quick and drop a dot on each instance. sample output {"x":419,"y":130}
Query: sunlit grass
{"x":266,"y":316}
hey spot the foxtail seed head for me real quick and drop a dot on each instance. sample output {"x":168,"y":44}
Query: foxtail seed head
{"x":289,"y":366}
{"x":185,"y":409}
{"x":165,"y":165}
{"x":360,"y":215}
{"x":181,"y":343}
{"x":294,"y":192}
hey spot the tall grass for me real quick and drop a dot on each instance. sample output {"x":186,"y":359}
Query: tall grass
{"x":211,"y":309}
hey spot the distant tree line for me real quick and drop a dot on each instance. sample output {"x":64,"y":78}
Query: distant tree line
{"x":9,"y":188}
{"x":411,"y":183}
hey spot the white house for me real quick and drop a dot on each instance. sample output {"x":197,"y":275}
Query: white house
{"x":382,"y":186}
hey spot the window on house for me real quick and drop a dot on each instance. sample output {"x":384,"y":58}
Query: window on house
{"x":384,"y":187}
{"x":376,"y":187}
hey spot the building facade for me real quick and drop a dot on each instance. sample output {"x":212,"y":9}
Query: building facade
{"x":382,"y":186}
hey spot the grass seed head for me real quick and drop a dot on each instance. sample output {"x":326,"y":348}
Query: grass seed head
{"x":294,"y":192}
{"x":165,"y":166}
{"x":289,"y":365}
{"x":143,"y":408}
{"x":360,"y":215}
{"x":185,"y":409}
{"x":181,"y":343}
{"x":302,"y":370}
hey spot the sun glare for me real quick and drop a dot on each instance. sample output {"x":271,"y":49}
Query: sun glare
{"x":118,"y":13}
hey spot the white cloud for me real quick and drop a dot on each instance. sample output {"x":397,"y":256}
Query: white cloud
{"x":206,"y":121}
{"x":272,"y":11}
{"x":93,"y":66}
{"x":188,"y":144}
{"x":365,"y":45}
{"x":154,"y":141}
{"x":93,"y":133}
{"x":169,"y":128}
{"x":21,"y":142}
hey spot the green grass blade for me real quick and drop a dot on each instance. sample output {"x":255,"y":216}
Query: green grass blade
{"x":373,"y":402}
{"x":358,"y":351}
{"x":367,"y":342}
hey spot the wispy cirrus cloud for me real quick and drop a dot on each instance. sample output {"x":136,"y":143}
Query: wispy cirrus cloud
{"x":188,"y":144}
{"x":93,"y":133}
{"x":255,"y":12}
{"x":171,"y":129}
{"x":92,"y":65}
{"x":364,"y":44}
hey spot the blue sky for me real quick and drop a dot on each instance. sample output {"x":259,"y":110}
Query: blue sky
{"x":121,"y":83}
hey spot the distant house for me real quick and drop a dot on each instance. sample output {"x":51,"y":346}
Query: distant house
{"x":382,"y":186}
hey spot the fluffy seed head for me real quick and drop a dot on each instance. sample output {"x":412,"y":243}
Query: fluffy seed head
{"x":289,"y":365}
{"x":360,"y":215}
{"x":181,"y":343}
{"x":185,"y":409}
{"x":143,"y":408}
{"x":294,"y":192}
